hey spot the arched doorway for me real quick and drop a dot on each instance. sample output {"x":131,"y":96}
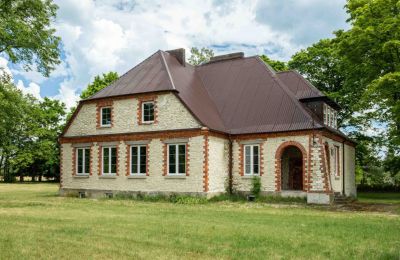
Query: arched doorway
{"x":292,"y":168}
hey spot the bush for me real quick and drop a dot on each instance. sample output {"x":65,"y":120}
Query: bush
{"x":256,"y":186}
{"x":9,"y":177}
{"x":377,"y":188}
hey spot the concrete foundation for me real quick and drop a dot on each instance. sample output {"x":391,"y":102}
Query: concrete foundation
{"x":319,"y":198}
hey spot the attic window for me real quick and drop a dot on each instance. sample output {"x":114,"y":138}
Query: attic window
{"x":148,"y":112}
{"x":106,"y":116}
{"x":330,"y":116}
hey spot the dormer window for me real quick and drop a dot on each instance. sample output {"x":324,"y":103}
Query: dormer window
{"x":330,"y":116}
{"x":106,"y":116}
{"x":148,"y":112}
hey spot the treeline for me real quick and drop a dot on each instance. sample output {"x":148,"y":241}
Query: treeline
{"x":29,"y":129}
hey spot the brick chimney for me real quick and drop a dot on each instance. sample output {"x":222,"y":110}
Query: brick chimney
{"x":179,"y":54}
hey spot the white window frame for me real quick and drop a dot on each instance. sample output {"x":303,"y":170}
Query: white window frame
{"x":335,"y":160}
{"x":138,"y":159}
{"x":177,"y":159}
{"x":101,"y":116}
{"x":109,"y":160}
{"x":144,"y":121}
{"x":325,"y":114}
{"x":251,"y":173}
{"x":83,"y":161}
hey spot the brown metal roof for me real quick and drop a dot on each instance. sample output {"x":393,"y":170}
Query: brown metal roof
{"x":235,"y":96}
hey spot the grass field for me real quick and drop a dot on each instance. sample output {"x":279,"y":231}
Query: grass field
{"x":379,"y":197}
{"x":36,"y":223}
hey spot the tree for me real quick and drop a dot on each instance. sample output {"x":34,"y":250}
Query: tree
{"x":198,"y":57}
{"x":26,"y":35}
{"x":99,"y":83}
{"x":322,"y":66}
{"x":370,"y":51}
{"x":275,"y":64}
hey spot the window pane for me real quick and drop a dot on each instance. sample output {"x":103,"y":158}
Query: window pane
{"x":143,"y":159}
{"x":80,"y":161}
{"x":255,"y":159}
{"x":134,"y":162}
{"x":87,"y":160}
{"x":182,"y":158}
{"x":172,"y":158}
{"x":106,"y":116}
{"x":148,"y":112}
{"x":106,"y":156}
{"x":113,"y":160}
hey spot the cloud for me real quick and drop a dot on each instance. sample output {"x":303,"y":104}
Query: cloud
{"x":114,"y":35}
{"x":32,"y":89}
{"x":304,"y":21}
{"x":4,"y":66}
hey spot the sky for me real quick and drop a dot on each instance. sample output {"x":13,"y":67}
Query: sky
{"x":99,"y":36}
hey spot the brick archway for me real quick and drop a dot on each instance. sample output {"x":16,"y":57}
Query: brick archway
{"x":278,"y":163}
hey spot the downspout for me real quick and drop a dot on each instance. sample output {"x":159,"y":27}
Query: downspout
{"x":343,"y":182}
{"x":230,"y":171}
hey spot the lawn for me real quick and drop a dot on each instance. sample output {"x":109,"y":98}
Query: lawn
{"x":36,"y":223}
{"x":379,"y":197}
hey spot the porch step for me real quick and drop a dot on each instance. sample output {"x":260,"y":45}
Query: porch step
{"x":341,"y":199}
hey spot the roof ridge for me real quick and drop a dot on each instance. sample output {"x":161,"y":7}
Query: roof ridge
{"x":167,"y":69}
{"x":112,"y":84}
{"x":287,"y":91}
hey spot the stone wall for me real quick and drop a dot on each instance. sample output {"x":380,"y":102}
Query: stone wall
{"x":171,"y":114}
{"x":218,"y":164}
{"x":154,"y":182}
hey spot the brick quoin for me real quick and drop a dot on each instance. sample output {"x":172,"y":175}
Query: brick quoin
{"x":61,"y":165}
{"x":278,"y":163}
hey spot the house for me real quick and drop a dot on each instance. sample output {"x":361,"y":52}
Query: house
{"x":166,"y":126}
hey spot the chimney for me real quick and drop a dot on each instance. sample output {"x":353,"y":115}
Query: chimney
{"x":179,"y":54}
{"x":230,"y":56}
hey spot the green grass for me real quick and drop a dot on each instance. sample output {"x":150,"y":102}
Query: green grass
{"x":36,"y":223}
{"x":379,"y":197}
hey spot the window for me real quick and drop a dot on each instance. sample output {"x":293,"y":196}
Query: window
{"x":106,"y":116}
{"x":251,"y":159}
{"x":109,"y":160}
{"x":83,"y":161}
{"x":177,"y":159}
{"x":138,"y":159}
{"x":325,"y":114}
{"x":148,"y":112}
{"x":335,"y":160}
{"x":330,"y":116}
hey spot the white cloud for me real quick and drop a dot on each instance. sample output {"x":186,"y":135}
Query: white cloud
{"x":32,"y":89}
{"x":114,"y":35}
{"x":4,"y":66}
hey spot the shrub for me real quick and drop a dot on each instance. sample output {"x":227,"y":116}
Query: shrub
{"x":256,"y":186}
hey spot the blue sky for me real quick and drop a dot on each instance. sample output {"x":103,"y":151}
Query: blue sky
{"x":114,"y":35}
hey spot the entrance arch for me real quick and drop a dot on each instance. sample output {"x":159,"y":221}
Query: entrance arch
{"x":290,"y":167}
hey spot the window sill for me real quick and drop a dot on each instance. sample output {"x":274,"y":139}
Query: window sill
{"x":107,"y":177}
{"x":175,"y":176}
{"x":81,"y":176}
{"x":250,"y":176}
{"x":148,"y":123}
{"x":105,"y":126}
{"x":137,"y":176}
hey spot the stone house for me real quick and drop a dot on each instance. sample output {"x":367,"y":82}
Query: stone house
{"x":166,"y":126}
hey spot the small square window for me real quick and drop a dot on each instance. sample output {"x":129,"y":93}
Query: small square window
{"x":106,"y":116}
{"x":148,"y":112}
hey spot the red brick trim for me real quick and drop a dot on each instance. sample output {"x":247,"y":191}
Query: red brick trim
{"x":128,"y":158}
{"x":187,"y":158}
{"x":168,"y":134}
{"x":261,"y":159}
{"x":147,"y":159}
{"x":143,"y":99}
{"x":99,"y":105}
{"x":91,"y":160}
{"x":324,"y":154}
{"x":100,"y":160}
{"x":241,"y":166}
{"x":117,"y":161}
{"x":278,"y":163}
{"x":165,"y":159}
{"x":205,"y":162}
{"x":309,"y":179}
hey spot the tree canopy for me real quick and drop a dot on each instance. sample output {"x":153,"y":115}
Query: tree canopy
{"x":99,"y":83}
{"x":26,"y":33}
{"x":199,"y":56}
{"x":275,"y":64}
